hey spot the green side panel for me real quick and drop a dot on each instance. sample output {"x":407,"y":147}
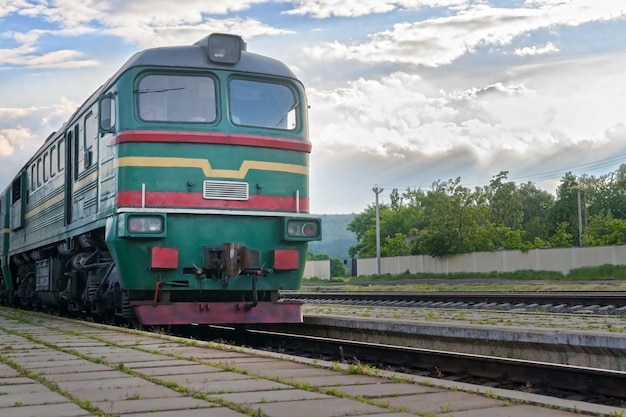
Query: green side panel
{"x":5,"y":219}
{"x":185,"y":167}
{"x":190,"y":234}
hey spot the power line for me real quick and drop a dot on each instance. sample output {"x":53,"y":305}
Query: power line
{"x":537,"y":177}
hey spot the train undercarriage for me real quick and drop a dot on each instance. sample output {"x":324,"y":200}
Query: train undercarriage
{"x":78,"y":277}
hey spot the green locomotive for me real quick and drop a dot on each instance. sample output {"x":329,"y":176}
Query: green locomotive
{"x":176,"y":194}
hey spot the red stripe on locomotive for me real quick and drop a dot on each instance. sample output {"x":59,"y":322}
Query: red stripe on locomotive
{"x":195,"y":200}
{"x":211,"y":138}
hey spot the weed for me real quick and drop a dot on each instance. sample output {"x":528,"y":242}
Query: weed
{"x":491,"y":394}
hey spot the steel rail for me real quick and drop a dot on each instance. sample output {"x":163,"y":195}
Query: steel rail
{"x":602,"y":298}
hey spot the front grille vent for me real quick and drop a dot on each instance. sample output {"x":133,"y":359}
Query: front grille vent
{"x":225,"y":190}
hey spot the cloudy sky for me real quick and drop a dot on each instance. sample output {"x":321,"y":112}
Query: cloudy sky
{"x":402,"y":92}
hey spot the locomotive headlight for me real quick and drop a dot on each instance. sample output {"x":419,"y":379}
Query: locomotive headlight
{"x":145,"y":224}
{"x":303,"y":229}
{"x":224,"y":48}
{"x":142,"y":225}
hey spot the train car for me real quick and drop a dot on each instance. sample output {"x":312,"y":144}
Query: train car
{"x":177,"y":193}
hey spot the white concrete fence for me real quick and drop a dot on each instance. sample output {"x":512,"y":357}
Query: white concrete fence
{"x":317,"y":269}
{"x":556,"y":259}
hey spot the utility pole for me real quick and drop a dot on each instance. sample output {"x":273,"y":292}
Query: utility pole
{"x":580,"y":222}
{"x":377,"y":190}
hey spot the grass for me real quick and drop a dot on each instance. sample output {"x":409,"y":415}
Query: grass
{"x":602,"y":272}
{"x":588,"y":278}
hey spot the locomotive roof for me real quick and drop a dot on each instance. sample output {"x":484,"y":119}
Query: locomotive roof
{"x":196,"y":56}
{"x":187,"y":56}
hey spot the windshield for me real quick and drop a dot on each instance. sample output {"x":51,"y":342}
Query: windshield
{"x":176,"y":98}
{"x":262,"y":104}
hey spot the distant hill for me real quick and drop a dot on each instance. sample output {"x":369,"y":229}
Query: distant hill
{"x":336,"y":239}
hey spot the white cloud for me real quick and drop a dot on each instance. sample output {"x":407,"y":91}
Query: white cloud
{"x":12,"y":139}
{"x":23,"y":130}
{"x":147,"y":23}
{"x":410,"y":130}
{"x":322,"y":9}
{"x":536,"y":50}
{"x":27,"y":53}
{"x":440,"y":41}
{"x":145,"y":35}
{"x":142,"y":23}
{"x":11,"y":6}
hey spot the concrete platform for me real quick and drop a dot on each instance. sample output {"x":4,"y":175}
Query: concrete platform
{"x":557,"y":344}
{"x":51,"y":366}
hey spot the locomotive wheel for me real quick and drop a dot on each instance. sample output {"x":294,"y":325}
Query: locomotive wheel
{"x":109,"y":316}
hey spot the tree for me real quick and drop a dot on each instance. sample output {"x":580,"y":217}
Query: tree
{"x":536,"y":206}
{"x":396,"y":245}
{"x":565,"y":208}
{"x":363,"y":226}
{"x":507,"y":207}
{"x":606,"y":193}
{"x":396,"y":218}
{"x":605,"y":230}
{"x":561,"y":237}
{"x":454,"y":215}
{"x":337,"y":268}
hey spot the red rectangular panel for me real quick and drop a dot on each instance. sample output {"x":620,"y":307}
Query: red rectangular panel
{"x":149,"y":313}
{"x":164,"y":258}
{"x":286,"y":259}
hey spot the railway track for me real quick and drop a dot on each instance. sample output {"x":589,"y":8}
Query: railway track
{"x":595,"y":302}
{"x":561,"y":381}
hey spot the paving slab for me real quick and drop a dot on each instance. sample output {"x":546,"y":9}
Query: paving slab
{"x":393,"y":415}
{"x":274,"y":365}
{"x":245,"y":358}
{"x":6,"y":371}
{"x":213,"y":412}
{"x":38,"y":355}
{"x":317,"y":408}
{"x":177,"y":370}
{"x":242,"y":385}
{"x":65,"y":363}
{"x":341,"y":379}
{"x":31,"y":398}
{"x":210,"y":377}
{"x":294,"y":375}
{"x":126,"y":357}
{"x":98,"y":350}
{"x":384,"y":389}
{"x":444,"y":401}
{"x":77,"y":344}
{"x":22,"y":388}
{"x":21,"y":345}
{"x":204,"y":353}
{"x":105,"y":384}
{"x":118,"y":394}
{"x":253,"y":397}
{"x":48,"y":410}
{"x":87,"y":376}
{"x":162,"y":363}
{"x":512,"y":411}
{"x":182,"y":404}
{"x":83,"y":366}
{"x":18,"y":380}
